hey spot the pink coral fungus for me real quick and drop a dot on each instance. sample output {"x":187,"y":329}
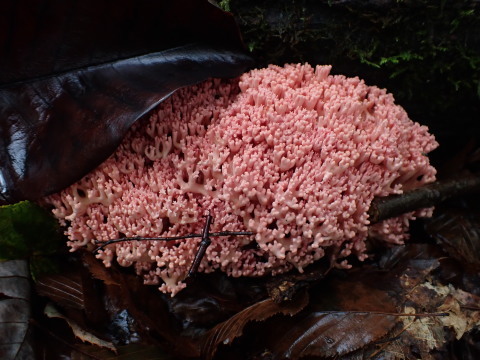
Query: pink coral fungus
{"x":291,"y":153}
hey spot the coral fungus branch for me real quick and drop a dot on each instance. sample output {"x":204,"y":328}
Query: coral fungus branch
{"x":292,"y":154}
{"x":423,"y":197}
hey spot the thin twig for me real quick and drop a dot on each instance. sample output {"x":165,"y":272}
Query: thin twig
{"x":169,"y":238}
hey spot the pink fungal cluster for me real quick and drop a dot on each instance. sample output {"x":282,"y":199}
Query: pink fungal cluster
{"x":292,"y":154}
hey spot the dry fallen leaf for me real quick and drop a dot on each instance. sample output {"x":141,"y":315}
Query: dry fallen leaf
{"x":429,"y":335}
{"x":463,"y":308}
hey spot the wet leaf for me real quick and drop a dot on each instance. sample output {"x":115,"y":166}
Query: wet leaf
{"x":405,"y":267}
{"x":422,"y":257}
{"x":126,"y":293}
{"x":227,"y":331}
{"x":72,"y":290}
{"x":98,"y":67}
{"x":349,"y":310}
{"x":14,"y":311}
{"x":80,"y":333}
{"x":284,"y":287}
{"x":329,"y":334}
{"x":358,"y":295}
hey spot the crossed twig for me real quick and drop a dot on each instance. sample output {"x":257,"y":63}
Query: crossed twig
{"x":202,"y":248}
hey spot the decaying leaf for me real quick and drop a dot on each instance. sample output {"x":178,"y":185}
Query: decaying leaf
{"x":227,"y":331}
{"x":14,"y":311}
{"x":351,"y":313}
{"x":461,"y":317}
{"x":97,"y":69}
{"x":363,"y":306}
{"x":426,"y":336}
{"x":51,"y":312}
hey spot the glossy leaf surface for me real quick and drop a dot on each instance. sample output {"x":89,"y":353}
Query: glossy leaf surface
{"x":74,"y":76}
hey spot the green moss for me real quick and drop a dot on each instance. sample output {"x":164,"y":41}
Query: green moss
{"x":225,"y":5}
{"x":29,"y":232}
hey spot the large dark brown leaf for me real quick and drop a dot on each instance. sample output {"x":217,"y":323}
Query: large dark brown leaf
{"x":75,"y":75}
{"x":344,"y":315}
{"x":41,"y":38}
